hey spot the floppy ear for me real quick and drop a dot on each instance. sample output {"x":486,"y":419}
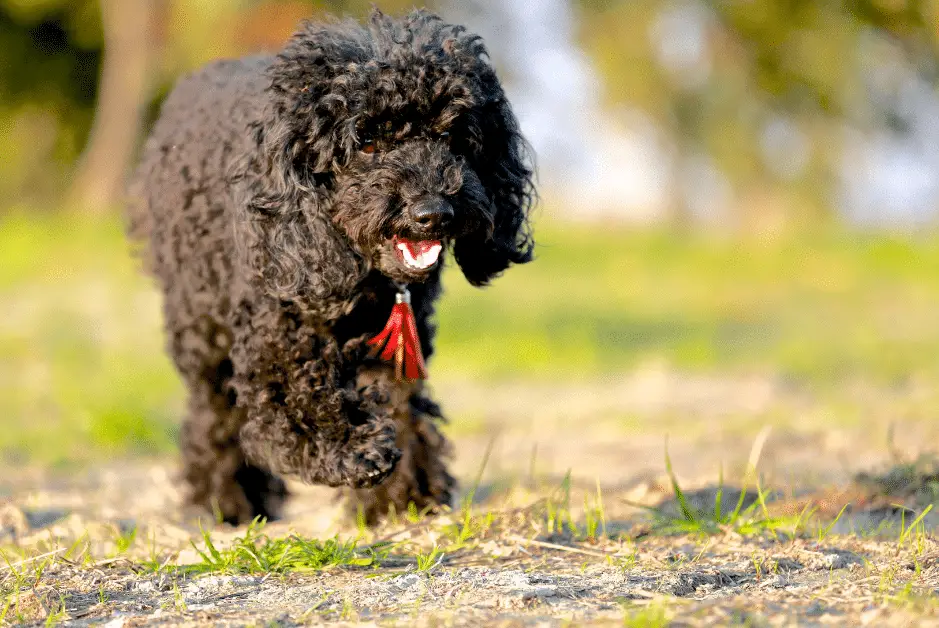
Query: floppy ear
{"x":502,"y":163}
{"x":283,"y":184}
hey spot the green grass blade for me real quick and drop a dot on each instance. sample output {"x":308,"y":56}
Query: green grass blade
{"x":679,"y":495}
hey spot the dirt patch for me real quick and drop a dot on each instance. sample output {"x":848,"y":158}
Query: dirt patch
{"x":513,"y":570}
{"x":701,"y":582}
{"x":816,"y":542}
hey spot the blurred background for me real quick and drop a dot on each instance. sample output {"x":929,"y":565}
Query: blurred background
{"x":738,"y":113}
{"x":737,"y":229}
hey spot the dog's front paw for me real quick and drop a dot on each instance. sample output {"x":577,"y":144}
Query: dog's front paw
{"x":372,"y":455}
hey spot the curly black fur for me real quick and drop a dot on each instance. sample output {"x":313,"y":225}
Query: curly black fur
{"x":269,"y":195}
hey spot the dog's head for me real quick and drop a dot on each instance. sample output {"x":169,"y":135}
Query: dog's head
{"x":398,"y":136}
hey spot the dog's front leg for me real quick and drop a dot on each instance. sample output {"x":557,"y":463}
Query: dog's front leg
{"x":421,"y":479}
{"x":360,"y":456}
{"x":302,"y":419}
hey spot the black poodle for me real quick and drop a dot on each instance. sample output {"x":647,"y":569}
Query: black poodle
{"x":285,"y":201}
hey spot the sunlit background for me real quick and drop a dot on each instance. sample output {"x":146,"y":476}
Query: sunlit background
{"x":736,"y":229}
{"x":721,"y":112}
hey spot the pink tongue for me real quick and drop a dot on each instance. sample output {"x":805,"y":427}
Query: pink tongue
{"x":418,"y":248}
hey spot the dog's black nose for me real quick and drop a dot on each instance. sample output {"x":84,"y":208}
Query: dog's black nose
{"x":432,"y":214}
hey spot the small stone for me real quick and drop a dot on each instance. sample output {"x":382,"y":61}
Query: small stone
{"x":407,"y":581}
{"x":540,"y":592}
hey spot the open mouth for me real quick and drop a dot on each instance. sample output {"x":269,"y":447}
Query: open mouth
{"x":419,"y":255}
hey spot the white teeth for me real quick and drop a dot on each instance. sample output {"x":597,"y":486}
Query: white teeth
{"x":423,"y":260}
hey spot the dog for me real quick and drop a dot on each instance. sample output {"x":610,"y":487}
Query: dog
{"x":284,"y":204}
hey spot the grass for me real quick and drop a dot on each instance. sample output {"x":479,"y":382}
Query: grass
{"x":821,"y":307}
{"x":547,"y":539}
{"x":82,"y":372}
{"x":428,"y":561}
{"x":255,"y":552}
{"x":653,"y":616}
{"x":84,"y":376}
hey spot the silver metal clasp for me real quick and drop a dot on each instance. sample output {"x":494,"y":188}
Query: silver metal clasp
{"x":404,"y":295}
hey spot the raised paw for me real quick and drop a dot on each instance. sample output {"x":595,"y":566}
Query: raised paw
{"x":371,"y":455}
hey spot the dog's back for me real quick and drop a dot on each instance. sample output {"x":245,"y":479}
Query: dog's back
{"x":180,"y":203}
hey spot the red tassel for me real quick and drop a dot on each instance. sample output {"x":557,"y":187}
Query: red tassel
{"x":400,"y":340}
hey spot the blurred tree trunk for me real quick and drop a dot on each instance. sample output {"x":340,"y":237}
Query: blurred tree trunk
{"x":122,"y":98}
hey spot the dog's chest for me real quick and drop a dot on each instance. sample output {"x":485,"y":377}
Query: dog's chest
{"x":368,"y":316}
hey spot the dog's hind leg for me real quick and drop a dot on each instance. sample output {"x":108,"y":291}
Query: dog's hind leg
{"x":214,"y":467}
{"x":215,"y":470}
{"x":421,"y":479}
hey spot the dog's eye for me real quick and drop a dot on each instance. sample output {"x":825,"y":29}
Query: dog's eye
{"x":368,"y":147}
{"x":445,"y":136}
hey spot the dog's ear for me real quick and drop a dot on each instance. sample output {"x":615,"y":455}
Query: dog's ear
{"x":283,"y":183}
{"x":502,"y":161}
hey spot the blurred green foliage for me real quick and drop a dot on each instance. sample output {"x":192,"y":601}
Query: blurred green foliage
{"x":83,"y":373}
{"x":48,"y":77}
{"x":715,"y":74}
{"x":82,"y":370}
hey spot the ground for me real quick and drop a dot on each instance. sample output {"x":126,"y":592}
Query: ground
{"x":608,"y":404}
